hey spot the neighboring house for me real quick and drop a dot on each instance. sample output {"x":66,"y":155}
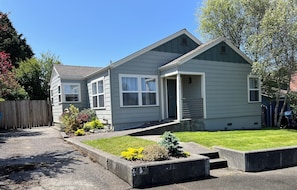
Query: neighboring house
{"x":176,"y":78}
{"x":269,"y":103}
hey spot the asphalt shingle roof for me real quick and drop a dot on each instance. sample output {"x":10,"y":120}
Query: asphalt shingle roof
{"x":69,"y":71}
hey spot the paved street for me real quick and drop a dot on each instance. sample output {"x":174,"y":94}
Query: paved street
{"x":38,"y":158}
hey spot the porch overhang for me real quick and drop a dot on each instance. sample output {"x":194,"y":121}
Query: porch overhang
{"x":183,"y":103}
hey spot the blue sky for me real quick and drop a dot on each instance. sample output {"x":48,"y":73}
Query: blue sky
{"x":95,"y":32}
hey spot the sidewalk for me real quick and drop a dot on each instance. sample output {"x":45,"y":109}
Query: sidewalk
{"x":190,"y":147}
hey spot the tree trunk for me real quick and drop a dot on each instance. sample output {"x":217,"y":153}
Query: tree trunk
{"x":275,"y":113}
{"x":281,"y":114}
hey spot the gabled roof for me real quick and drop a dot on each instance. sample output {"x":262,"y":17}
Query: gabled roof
{"x":199,"y":50}
{"x":154,"y":45}
{"x":74,"y":72}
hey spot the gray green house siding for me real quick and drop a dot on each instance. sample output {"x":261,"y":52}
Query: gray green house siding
{"x":104,"y":114}
{"x":226,"y":89}
{"x":213,"y":76}
{"x":146,"y":64}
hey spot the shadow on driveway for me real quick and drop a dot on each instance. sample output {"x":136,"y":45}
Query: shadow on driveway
{"x":5,"y":134}
{"x":23,"y":169}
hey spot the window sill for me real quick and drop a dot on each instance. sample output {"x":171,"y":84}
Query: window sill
{"x":146,"y":106}
{"x":103,"y":108}
{"x":254,"y":102}
{"x":69,"y":102}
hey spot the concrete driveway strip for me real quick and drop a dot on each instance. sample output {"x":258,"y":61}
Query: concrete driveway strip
{"x":39,"y":158}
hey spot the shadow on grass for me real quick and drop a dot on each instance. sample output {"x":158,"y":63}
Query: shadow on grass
{"x":17,"y":170}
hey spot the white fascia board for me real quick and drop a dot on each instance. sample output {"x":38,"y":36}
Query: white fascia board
{"x":154,"y":45}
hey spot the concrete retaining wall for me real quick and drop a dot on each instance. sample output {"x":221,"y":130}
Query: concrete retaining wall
{"x":184,"y":125}
{"x":261,"y":160}
{"x":149,"y":173}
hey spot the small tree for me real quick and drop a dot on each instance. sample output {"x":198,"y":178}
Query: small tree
{"x":10,"y":89}
{"x":171,"y":143}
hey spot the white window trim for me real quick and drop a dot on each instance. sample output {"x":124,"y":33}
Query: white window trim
{"x":59,"y":93}
{"x":98,"y":94}
{"x":140,"y":104}
{"x":258,"y":89}
{"x":52,"y":96}
{"x":64,"y":95}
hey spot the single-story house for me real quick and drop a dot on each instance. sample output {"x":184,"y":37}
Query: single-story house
{"x":175,"y":78}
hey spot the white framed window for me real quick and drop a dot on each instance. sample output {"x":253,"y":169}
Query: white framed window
{"x":59,"y":94}
{"x":138,"y":90}
{"x":71,"y":92}
{"x":254,"y":92}
{"x":98,"y":93}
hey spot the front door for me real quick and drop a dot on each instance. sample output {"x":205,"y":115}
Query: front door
{"x":171,"y":97}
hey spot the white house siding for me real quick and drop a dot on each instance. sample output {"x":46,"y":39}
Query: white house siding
{"x":146,"y":64}
{"x":227,"y":104}
{"x":102,"y":113}
{"x":56,"y":107}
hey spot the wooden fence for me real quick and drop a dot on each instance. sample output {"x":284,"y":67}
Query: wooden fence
{"x":25,"y":114}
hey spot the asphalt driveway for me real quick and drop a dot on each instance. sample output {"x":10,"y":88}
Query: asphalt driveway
{"x":39,"y":158}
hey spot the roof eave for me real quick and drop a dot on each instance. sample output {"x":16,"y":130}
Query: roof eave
{"x":154,"y":45}
{"x":98,"y":72}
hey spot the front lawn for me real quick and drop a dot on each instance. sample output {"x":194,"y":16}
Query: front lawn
{"x":116,"y":145}
{"x":243,"y":140}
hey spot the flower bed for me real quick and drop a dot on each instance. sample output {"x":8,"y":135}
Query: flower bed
{"x":149,"y":173}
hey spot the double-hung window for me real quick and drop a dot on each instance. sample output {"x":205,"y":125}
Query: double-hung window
{"x":254,"y":94}
{"x":138,"y":90}
{"x":71,"y":92}
{"x":98,"y":94}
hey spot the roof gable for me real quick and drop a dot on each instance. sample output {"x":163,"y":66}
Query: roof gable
{"x":221,"y":52}
{"x":74,"y":72}
{"x":204,"y":48}
{"x":156,"y":45}
{"x":181,"y":45}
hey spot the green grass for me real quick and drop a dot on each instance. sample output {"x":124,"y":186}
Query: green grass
{"x":116,"y":145}
{"x":242,"y":140}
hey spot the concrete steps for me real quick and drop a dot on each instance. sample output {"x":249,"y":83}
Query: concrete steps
{"x":215,"y":162}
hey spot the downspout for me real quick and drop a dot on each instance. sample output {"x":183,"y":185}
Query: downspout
{"x":110,"y":95}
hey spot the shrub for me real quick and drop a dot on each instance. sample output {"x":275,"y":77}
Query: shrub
{"x":72,"y":119}
{"x":171,"y":143}
{"x":155,"y":153}
{"x":95,"y":124}
{"x":79,"y":132}
{"x":69,"y":119}
{"x":133,"y":154}
{"x":87,"y":115}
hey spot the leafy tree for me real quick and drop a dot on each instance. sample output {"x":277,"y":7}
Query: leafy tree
{"x":13,"y":43}
{"x":10,"y":89}
{"x":34,"y":74}
{"x":28,"y":75}
{"x":47,"y":61}
{"x":235,"y":20}
{"x":265,"y":30}
{"x":223,"y":18}
{"x":277,"y":43}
